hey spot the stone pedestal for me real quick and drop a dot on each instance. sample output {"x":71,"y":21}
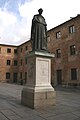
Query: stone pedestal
{"x":38,"y":91}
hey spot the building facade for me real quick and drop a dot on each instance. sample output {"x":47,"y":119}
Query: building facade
{"x":7,"y":56}
{"x":63,"y":41}
{"x":13,"y":63}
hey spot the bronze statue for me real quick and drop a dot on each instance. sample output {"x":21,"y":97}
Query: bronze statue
{"x":39,"y":32}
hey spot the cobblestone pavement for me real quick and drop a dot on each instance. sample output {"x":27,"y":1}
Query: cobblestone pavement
{"x":67,"y":105}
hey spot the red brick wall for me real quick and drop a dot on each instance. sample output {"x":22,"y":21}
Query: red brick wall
{"x":66,"y":62}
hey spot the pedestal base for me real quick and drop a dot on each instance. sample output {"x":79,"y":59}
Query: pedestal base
{"x":38,"y":97}
{"x":38,"y":91}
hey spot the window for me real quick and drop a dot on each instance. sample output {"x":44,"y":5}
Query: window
{"x":8,"y":50}
{"x":15,"y":51}
{"x":0,"y":49}
{"x":72,"y":29}
{"x":58,"y":53}
{"x":21,"y":61}
{"x":72,"y":50}
{"x":8,"y":62}
{"x":21,"y":49}
{"x":7,"y":75}
{"x":25,"y":77}
{"x":15,"y":62}
{"x":58,"y":34}
{"x":26,"y":48}
{"x":74,"y":74}
{"x":20,"y":75}
{"x":26,"y":60}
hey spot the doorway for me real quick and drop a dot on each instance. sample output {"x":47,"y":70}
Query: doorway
{"x":15,"y":78}
{"x":25,"y":77}
{"x":59,"y":76}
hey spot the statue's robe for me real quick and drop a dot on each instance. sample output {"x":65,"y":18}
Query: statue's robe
{"x":38,"y":33}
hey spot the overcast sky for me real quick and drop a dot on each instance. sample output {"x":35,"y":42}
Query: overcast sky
{"x":16,"y":17}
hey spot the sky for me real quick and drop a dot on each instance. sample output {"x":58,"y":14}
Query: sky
{"x":16,"y":17}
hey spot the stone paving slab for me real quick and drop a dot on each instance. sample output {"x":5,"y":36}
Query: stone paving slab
{"x":67,"y":116}
{"x":2,"y":117}
{"x":67,"y":105}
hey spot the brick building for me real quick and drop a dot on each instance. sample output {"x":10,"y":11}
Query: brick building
{"x":13,"y":62}
{"x":63,"y":41}
{"x":7,"y":56}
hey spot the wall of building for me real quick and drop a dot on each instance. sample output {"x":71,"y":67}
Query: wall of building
{"x":4,"y":68}
{"x":23,"y":50}
{"x":66,"y":62}
{"x":59,"y":40}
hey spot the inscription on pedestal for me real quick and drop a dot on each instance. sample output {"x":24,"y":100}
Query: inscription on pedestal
{"x":43,"y":71}
{"x":43,"y":68}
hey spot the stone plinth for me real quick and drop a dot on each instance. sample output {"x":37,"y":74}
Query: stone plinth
{"x":38,"y":91}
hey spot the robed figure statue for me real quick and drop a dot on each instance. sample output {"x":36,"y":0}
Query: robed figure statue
{"x":39,"y":32}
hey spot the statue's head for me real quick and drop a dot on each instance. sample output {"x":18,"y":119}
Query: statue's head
{"x":40,"y":11}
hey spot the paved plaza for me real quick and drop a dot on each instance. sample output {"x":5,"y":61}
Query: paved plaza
{"x":67,"y":105}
